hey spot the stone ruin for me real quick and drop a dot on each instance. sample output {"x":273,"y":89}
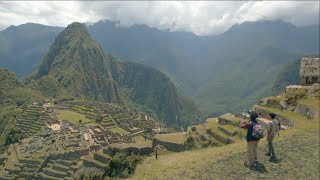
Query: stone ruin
{"x":310,"y":70}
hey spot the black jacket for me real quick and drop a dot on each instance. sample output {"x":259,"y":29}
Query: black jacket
{"x":249,"y":132}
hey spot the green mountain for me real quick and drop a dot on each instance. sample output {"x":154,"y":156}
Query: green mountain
{"x":14,"y":96}
{"x":22,"y":47}
{"x":214,"y":70}
{"x":289,"y":74}
{"x":76,"y":65}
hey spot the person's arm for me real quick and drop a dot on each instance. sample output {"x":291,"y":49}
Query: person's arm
{"x":244,"y":125}
{"x":269,"y":129}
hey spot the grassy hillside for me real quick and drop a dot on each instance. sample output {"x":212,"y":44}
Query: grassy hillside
{"x":296,"y":148}
{"x":250,"y":78}
{"x":14,"y":96}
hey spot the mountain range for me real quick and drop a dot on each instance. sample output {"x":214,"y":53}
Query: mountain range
{"x":222,"y":73}
{"x":77,"y":66}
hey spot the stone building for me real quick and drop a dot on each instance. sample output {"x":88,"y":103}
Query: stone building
{"x":310,"y":70}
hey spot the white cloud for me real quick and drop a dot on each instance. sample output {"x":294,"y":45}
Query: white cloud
{"x":200,"y":17}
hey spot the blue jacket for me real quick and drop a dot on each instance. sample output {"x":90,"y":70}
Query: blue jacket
{"x":250,"y":130}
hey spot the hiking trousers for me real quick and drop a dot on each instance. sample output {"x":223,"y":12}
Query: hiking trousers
{"x":270,"y":147}
{"x":252,"y":148}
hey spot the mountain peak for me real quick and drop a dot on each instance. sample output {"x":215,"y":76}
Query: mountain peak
{"x":75,"y":30}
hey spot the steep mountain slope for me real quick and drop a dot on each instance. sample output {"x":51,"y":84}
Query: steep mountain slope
{"x":201,"y":66}
{"x":289,"y":74}
{"x":223,"y":73}
{"x":171,"y":52}
{"x":22,"y":47}
{"x":78,"y":67}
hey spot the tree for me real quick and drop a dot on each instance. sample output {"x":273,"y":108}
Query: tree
{"x":13,"y":136}
{"x":80,"y":121}
{"x":98,"y":119}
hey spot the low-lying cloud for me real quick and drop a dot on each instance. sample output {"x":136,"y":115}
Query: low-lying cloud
{"x":201,"y":18}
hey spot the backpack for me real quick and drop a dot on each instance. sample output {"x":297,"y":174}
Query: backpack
{"x":257,"y":131}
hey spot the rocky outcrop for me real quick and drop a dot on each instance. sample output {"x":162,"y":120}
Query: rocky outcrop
{"x":265,"y":114}
{"x":308,"y":111}
{"x":314,"y":90}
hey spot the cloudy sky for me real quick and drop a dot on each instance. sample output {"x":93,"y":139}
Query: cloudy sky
{"x":202,"y":18}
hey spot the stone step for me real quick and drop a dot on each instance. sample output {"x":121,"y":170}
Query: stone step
{"x":30,"y":170}
{"x":229,"y":119}
{"x":229,"y":130}
{"x":46,"y":177}
{"x":101,"y":156}
{"x":88,"y":161}
{"x":26,"y":175}
{"x":215,"y":132}
{"x":34,"y":166}
{"x":107,"y":124}
{"x":29,"y":128}
{"x":8,"y":177}
{"x":110,"y":127}
{"x":54,"y":173}
{"x":60,"y":167}
{"x":66,"y":162}
{"x":30,"y":161}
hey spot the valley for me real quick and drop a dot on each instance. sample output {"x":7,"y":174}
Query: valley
{"x":152,"y":90}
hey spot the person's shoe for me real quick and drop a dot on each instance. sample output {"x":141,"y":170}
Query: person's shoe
{"x":273,"y":158}
{"x":268,"y":154}
{"x":250,"y":165}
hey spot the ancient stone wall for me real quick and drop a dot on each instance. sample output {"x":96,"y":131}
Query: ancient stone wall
{"x":310,"y":70}
{"x":169,"y":145}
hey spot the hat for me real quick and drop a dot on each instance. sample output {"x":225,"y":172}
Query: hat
{"x":272,"y":115}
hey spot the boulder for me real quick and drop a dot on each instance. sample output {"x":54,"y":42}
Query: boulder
{"x":308,"y":111}
{"x":274,"y":104}
{"x":283,"y":104}
{"x":291,"y":108}
{"x":314,"y":90}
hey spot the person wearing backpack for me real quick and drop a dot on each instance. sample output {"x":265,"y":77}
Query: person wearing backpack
{"x":273,"y":130}
{"x":254,"y":133}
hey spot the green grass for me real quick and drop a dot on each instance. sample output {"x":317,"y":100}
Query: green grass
{"x":277,"y":98}
{"x":231,"y":118}
{"x":73,"y":117}
{"x":118,"y":130}
{"x":141,"y":139}
{"x":297,"y":148}
{"x":297,"y":119}
{"x":178,"y":138}
{"x":212,"y":120}
{"x":314,"y":102}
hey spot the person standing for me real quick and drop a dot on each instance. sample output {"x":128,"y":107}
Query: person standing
{"x":156,"y":153}
{"x":273,"y":130}
{"x":252,"y":139}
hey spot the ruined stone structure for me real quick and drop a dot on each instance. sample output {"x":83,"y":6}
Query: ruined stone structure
{"x":310,"y":70}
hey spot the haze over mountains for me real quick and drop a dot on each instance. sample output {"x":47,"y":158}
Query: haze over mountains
{"x":222,"y":73}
